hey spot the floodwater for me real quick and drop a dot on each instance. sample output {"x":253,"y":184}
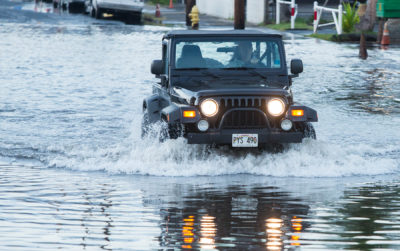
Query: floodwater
{"x":75,"y":174}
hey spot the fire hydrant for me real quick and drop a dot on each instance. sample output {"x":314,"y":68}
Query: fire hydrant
{"x":158,"y":12}
{"x":194,"y":18}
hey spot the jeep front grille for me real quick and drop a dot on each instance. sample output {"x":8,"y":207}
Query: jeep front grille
{"x":232,"y":102}
{"x":244,"y":118}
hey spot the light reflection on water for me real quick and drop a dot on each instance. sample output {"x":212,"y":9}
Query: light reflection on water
{"x":43,"y":208}
{"x":274,"y":233}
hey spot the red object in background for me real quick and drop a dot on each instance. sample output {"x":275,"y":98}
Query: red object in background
{"x":293,"y":12}
{"x":315,"y":15}
{"x":158,"y":12}
{"x":385,"y":38}
{"x":170,"y":4}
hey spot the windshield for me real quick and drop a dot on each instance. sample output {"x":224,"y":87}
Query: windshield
{"x":225,"y":53}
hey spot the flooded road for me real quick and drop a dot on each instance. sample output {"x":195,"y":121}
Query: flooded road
{"x":50,"y":208}
{"x":75,"y":174}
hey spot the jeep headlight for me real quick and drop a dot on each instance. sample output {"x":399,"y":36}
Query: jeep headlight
{"x":209,"y":107}
{"x":276,"y":107}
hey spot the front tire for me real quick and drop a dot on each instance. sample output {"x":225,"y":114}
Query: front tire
{"x":133,"y":18}
{"x":309,"y":131}
{"x":169,"y":131}
{"x":97,"y":12}
{"x":64,"y":6}
{"x":145,"y":125}
{"x":92,"y":12}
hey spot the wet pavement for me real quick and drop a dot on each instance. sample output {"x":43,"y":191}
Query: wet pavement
{"x":75,"y":173}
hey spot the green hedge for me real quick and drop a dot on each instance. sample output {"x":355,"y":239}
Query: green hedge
{"x":162,"y":2}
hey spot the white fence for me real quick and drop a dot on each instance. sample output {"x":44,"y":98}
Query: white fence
{"x":226,"y":9}
{"x":217,"y":8}
{"x":255,"y":11}
{"x":293,"y":11}
{"x":337,"y":20}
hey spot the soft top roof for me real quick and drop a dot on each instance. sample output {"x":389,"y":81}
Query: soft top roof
{"x":219,"y":33}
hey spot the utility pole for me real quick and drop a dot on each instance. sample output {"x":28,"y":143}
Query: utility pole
{"x":189,"y":6}
{"x":266,"y":11}
{"x":240,"y":14}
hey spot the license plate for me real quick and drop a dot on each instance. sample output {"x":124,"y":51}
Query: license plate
{"x":244,"y":140}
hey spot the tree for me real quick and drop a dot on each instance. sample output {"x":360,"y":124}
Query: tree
{"x":367,"y":21}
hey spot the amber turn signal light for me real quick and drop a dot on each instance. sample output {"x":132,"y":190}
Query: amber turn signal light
{"x":189,"y":114}
{"x":297,"y":113}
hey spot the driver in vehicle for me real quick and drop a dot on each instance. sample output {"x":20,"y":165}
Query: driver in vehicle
{"x":244,"y":56}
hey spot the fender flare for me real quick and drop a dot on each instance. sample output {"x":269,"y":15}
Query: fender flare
{"x":310,"y":115}
{"x":171,"y":114}
{"x":153,"y":106}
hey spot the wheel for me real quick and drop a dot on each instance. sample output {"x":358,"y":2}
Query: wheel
{"x":164,"y":134}
{"x":64,"y":6}
{"x":76,"y":7}
{"x":309,"y":131}
{"x":87,"y":8}
{"x":133,"y":18}
{"x":169,"y":131}
{"x":98,"y":13}
{"x":90,"y":8}
{"x":145,"y":125}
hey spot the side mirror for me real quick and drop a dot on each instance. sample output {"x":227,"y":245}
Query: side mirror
{"x":157,"y":67}
{"x":296,"y":66}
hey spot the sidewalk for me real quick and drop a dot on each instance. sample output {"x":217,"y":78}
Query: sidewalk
{"x":176,"y":16}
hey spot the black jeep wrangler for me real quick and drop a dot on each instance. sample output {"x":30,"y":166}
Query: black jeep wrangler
{"x":226,"y":88}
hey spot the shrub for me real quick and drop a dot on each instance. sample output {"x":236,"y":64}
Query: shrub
{"x":162,"y":2}
{"x":350,"y":17}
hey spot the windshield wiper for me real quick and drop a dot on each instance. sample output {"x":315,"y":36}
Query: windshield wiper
{"x":191,"y":69}
{"x":192,"y":82}
{"x":258,"y":73}
{"x":253,"y":71}
{"x":205,"y":71}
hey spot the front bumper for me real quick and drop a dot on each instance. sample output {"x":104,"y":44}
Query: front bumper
{"x":224,"y":137}
{"x":120,"y":7}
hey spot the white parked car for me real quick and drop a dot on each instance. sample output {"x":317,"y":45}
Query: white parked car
{"x":131,"y":10}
